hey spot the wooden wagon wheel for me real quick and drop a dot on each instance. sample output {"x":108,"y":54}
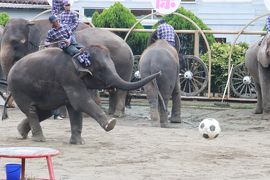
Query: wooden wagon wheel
{"x":242,"y":84}
{"x":153,"y":38}
{"x":193,"y":75}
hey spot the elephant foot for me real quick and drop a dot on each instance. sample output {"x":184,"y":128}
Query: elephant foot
{"x":266,"y":117}
{"x":38,"y":138}
{"x":258,"y":111}
{"x":175,"y":119}
{"x":110,"y":111}
{"x":110,"y":125}
{"x":23,"y":129}
{"x":164,"y":125}
{"x":118,"y":114}
{"x":76,"y":140}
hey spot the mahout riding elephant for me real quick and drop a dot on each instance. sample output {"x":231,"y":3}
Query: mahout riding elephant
{"x":161,"y":56}
{"x":22,"y":37}
{"x":47,"y":79}
{"x":257,"y":61}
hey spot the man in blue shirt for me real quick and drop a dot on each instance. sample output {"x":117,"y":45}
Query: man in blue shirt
{"x":166,"y":32}
{"x":69,"y":18}
{"x":62,"y":36}
{"x":268,"y":24}
{"x":57,"y":7}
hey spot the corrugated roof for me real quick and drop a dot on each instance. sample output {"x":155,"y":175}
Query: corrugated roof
{"x":32,"y":2}
{"x":27,"y":4}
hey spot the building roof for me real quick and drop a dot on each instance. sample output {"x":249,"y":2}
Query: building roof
{"x":36,"y":4}
{"x":40,"y":2}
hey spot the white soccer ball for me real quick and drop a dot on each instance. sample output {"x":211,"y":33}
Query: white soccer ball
{"x":209,"y":128}
{"x":137,"y":75}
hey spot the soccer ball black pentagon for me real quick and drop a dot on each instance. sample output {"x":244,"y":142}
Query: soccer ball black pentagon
{"x":209,"y":128}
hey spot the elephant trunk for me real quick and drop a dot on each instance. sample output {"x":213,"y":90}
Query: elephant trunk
{"x":119,"y":83}
{"x":7,"y":58}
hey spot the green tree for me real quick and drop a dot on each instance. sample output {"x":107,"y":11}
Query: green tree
{"x":220,"y":58}
{"x":4,"y":18}
{"x":117,"y":16}
{"x":187,"y":40}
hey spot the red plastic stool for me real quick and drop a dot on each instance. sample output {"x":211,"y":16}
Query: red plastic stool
{"x":30,"y":152}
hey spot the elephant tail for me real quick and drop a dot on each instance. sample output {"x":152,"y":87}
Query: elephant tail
{"x":160,"y":96}
{"x":5,"y":114}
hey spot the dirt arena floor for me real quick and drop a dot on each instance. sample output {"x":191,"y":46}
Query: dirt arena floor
{"x":136,"y":151}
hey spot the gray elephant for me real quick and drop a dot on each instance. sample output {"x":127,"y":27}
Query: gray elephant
{"x":161,"y":56}
{"x":257,"y":61}
{"x":1,"y":33}
{"x":22,"y":37}
{"x":44,"y":80}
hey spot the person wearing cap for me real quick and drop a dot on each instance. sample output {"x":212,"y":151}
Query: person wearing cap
{"x":69,"y":18}
{"x":62,"y":35}
{"x":166,"y":32}
{"x":57,"y":7}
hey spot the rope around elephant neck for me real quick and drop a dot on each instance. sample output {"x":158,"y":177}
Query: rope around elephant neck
{"x":56,"y":42}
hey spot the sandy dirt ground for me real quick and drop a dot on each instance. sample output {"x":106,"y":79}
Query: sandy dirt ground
{"x":136,"y":151}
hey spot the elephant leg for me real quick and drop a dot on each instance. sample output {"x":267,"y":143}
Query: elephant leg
{"x":120,"y":103}
{"x":76,"y":125}
{"x":152,"y":96}
{"x":33,"y":119}
{"x":24,"y":126}
{"x":128,"y":100}
{"x":112,"y":102}
{"x":81,"y":101}
{"x":265,"y":85}
{"x":259,"y":107}
{"x":176,"y":104}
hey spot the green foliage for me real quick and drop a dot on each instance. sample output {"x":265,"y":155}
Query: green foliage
{"x":117,"y":16}
{"x":220,"y":58}
{"x":4,"y":18}
{"x":187,"y":40}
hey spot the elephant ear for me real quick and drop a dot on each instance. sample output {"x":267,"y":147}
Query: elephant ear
{"x":33,"y":37}
{"x":262,"y":57}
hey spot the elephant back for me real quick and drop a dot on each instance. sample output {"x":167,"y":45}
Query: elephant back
{"x":153,"y":37}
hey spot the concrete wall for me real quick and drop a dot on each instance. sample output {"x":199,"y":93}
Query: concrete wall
{"x":23,"y":13}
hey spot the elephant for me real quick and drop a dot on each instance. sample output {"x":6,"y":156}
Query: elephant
{"x":47,"y":79}
{"x":1,"y":33}
{"x":257,"y":60}
{"x":22,"y":37}
{"x":161,"y":56}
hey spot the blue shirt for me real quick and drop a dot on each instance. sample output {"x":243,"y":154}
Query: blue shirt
{"x":70,"y":19}
{"x":166,"y":32}
{"x":63,"y":33}
{"x":268,"y":24}
{"x":57,"y":7}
